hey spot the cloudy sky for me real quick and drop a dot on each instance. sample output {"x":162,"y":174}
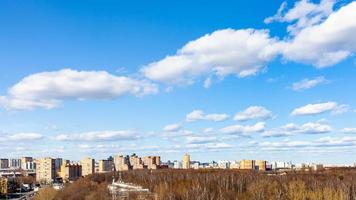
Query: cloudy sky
{"x":221,"y":80}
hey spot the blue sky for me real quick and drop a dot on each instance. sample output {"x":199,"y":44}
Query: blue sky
{"x":220,"y":80}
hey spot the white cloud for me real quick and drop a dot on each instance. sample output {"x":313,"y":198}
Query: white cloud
{"x":200,"y":115}
{"x":294,"y":129}
{"x":221,"y":53}
{"x":240,"y":129}
{"x":317,"y":35}
{"x":209,"y":146}
{"x":349,"y":130}
{"x":200,"y":139}
{"x":208,"y":130}
{"x":21,"y":137}
{"x":216,"y":117}
{"x":303,"y":14}
{"x":325,"y":142}
{"x":324,"y":43}
{"x":313,"y":109}
{"x":172,"y":128}
{"x":308,"y":83}
{"x":253,"y":112}
{"x":99,"y":136}
{"x":49,"y":89}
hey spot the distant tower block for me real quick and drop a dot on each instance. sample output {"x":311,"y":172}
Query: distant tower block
{"x":186,"y":161}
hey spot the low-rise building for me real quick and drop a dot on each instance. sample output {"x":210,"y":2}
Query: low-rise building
{"x":235,"y":165}
{"x":177,"y":165}
{"x":224,"y":164}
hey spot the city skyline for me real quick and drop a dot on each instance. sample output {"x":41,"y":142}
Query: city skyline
{"x":234,"y":81}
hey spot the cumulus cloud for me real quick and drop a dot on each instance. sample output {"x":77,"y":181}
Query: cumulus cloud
{"x":349,"y":130}
{"x":21,"y":137}
{"x":196,"y":115}
{"x":308,"y":83}
{"x":240,"y":129}
{"x":317,"y":35}
{"x":304,"y":14}
{"x":172,"y":128}
{"x":313,"y":109}
{"x":253,"y":112}
{"x":200,"y":139}
{"x":318,"y":143}
{"x":326,"y":43}
{"x":49,"y":89}
{"x":212,"y":146}
{"x":99,"y":136}
{"x":294,"y":129}
{"x":221,"y":53}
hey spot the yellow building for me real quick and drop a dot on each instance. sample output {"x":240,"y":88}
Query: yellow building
{"x":3,"y":186}
{"x":247,"y":164}
{"x":186,"y":161}
{"x":105,"y":166}
{"x":70,"y":172}
{"x":261,"y":165}
{"x":136,"y":162}
{"x":45,"y":170}
{"x":152,"y":162}
{"x":121,"y":163}
{"x":88,"y":166}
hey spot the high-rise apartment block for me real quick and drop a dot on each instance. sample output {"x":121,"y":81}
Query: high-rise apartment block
{"x":70,"y":172}
{"x":4,"y":163}
{"x":261,"y":165}
{"x":152,"y":162}
{"x":15,"y":163}
{"x":247,"y":164}
{"x":105,"y":166}
{"x":88,"y":166}
{"x":27,"y":163}
{"x":136,"y":162}
{"x":186,"y":161}
{"x":122,"y":163}
{"x":45,"y":170}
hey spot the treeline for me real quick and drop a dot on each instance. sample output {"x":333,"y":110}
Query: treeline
{"x":338,"y":184}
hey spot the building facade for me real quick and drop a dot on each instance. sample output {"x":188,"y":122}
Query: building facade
{"x":4,"y":163}
{"x":27,"y":163}
{"x":3,"y":186}
{"x":105,"y":166}
{"x":88,"y":166}
{"x":45,"y":170}
{"x":261,"y":165}
{"x":15,"y":163}
{"x":186,"y":161}
{"x":70,"y":172}
{"x":247,"y":164}
{"x":122,"y":163}
{"x":152,"y":162}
